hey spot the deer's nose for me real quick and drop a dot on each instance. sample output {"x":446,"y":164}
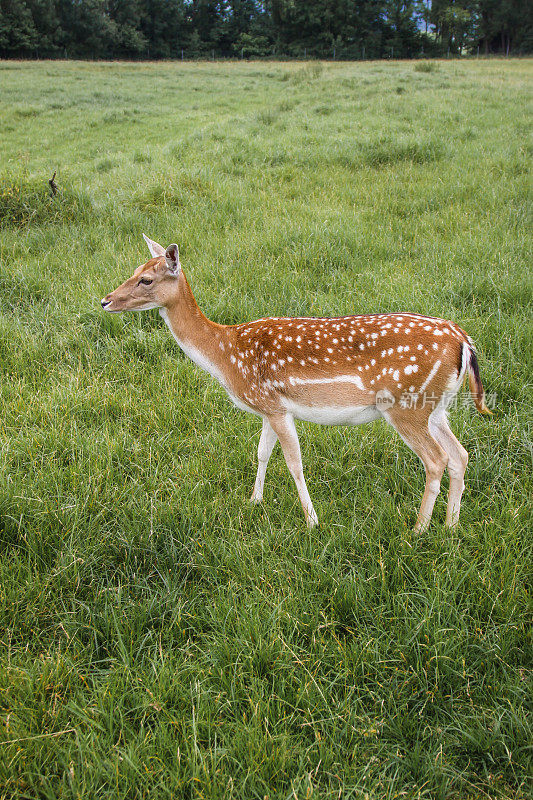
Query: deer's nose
{"x":105,"y":302}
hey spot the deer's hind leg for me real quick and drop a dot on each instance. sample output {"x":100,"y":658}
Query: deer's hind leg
{"x":457,"y":462}
{"x":412,"y":425}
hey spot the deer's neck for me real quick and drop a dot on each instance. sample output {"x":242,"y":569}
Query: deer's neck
{"x":205,"y":342}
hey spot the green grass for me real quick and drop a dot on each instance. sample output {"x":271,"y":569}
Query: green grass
{"x":159,"y":637}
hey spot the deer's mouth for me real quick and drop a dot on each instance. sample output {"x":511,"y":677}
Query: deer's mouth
{"x":106,"y":305}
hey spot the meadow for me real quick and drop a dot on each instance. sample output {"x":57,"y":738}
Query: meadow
{"x":159,"y":636}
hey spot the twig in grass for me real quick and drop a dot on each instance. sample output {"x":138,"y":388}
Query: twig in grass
{"x":38,"y":736}
{"x":52,"y":183}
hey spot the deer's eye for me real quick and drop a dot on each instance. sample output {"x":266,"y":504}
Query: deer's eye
{"x":146,"y":281}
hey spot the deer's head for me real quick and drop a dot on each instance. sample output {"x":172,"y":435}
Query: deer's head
{"x":152,"y":285}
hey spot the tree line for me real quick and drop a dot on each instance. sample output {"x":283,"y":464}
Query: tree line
{"x":340,"y":29}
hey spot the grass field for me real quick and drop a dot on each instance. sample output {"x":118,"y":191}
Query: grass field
{"x":159,"y":636}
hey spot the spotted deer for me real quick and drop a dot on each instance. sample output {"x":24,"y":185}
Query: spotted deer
{"x":334,"y":371}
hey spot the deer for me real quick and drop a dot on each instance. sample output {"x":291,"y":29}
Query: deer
{"x":333,"y":371}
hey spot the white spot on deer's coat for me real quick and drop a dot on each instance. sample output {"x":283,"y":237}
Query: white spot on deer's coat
{"x":431,"y":375}
{"x":355,"y":379}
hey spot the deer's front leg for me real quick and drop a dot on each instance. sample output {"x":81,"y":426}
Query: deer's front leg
{"x":285,"y":430}
{"x":266,"y":445}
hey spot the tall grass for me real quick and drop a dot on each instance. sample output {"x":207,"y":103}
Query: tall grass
{"x":160,"y":637}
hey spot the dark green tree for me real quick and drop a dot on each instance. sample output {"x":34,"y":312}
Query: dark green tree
{"x":166,"y":26}
{"x":255,"y":28}
{"x":504,"y":26}
{"x":46,"y":21}
{"x":18,"y":34}
{"x":208,"y":18}
{"x":454,"y":23}
{"x":128,"y":39}
{"x":403,"y":36}
{"x":89,"y":31}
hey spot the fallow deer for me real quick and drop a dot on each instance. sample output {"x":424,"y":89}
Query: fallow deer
{"x":334,"y":371}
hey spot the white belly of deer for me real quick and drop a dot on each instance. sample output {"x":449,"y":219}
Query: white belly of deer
{"x":241,"y":405}
{"x":332,"y":415}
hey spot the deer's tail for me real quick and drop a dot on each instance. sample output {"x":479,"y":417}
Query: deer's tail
{"x":474,"y":379}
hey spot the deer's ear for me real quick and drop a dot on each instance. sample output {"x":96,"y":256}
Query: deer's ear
{"x":155,"y":249}
{"x":172,"y":256}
